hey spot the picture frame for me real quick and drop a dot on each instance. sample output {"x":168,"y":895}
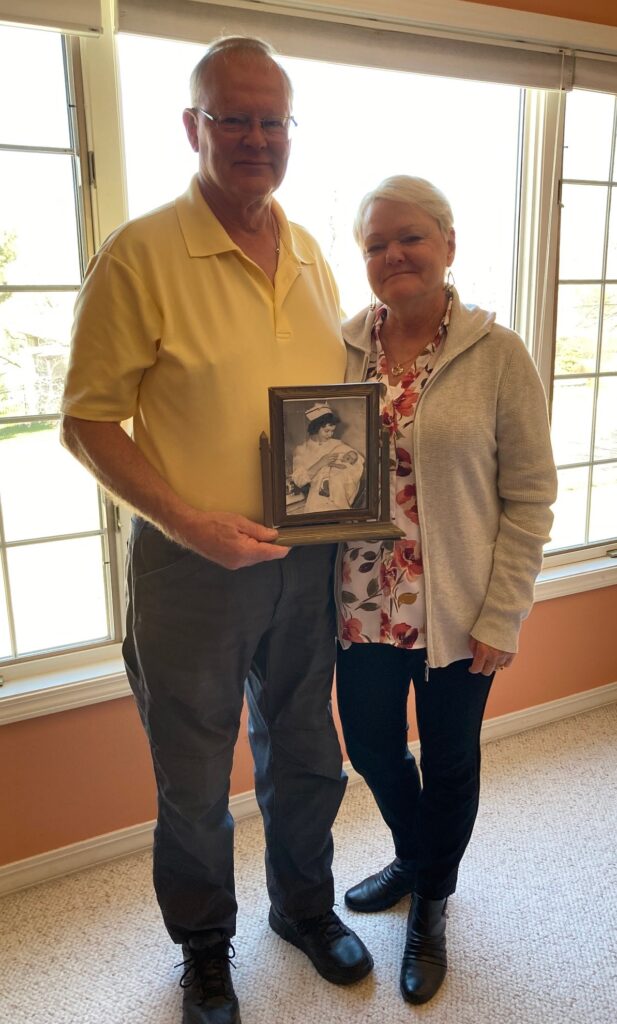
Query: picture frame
{"x":325,"y":466}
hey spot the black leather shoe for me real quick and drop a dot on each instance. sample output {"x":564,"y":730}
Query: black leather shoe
{"x":425,"y":962}
{"x":383,"y":890}
{"x":209,"y":996}
{"x":335,"y":951}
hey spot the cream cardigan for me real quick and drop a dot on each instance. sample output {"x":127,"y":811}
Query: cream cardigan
{"x":485,"y":478}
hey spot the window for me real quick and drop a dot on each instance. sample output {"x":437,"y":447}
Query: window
{"x":584,"y":406}
{"x":57,"y":583}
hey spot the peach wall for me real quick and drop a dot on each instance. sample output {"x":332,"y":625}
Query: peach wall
{"x":601,"y":12}
{"x":82,"y":773}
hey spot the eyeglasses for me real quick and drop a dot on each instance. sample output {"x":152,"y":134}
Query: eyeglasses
{"x":273,"y":127}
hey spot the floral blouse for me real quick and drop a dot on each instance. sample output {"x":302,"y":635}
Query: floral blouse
{"x":382,"y":598}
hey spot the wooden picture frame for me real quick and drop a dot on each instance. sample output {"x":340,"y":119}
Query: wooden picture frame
{"x":325,"y":467}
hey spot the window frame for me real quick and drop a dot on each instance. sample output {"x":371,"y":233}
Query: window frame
{"x":577,"y":552}
{"x":538,"y":274}
{"x":43,"y":663}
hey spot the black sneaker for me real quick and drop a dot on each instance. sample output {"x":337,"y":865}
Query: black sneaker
{"x":209,"y":996}
{"x":334,"y":950}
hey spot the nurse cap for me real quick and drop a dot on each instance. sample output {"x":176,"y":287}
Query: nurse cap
{"x":317,"y":410}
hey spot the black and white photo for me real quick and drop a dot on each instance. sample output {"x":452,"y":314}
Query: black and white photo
{"x":324,"y":454}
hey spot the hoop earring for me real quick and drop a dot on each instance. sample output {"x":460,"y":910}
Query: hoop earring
{"x":450,"y":282}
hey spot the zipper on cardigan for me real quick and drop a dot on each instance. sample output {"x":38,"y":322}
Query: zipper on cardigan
{"x":415,"y":445}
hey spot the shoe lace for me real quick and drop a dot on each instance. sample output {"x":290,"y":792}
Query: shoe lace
{"x":209,"y":968}
{"x":328,"y":925}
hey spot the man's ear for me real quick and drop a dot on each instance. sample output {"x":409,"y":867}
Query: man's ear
{"x":189,"y":119}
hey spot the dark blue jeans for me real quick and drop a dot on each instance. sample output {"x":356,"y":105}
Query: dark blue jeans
{"x":196,"y":635}
{"x":431,"y":816}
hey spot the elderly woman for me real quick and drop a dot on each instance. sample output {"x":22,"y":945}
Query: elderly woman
{"x":472,"y":480}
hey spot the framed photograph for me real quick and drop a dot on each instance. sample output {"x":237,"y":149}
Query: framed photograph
{"x":323,"y":465}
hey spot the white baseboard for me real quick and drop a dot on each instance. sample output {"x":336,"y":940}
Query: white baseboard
{"x":136,"y":838}
{"x":543,"y":714}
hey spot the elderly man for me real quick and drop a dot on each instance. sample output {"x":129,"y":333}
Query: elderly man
{"x":186,"y":317}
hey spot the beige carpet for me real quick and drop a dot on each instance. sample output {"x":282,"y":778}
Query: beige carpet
{"x":532,"y":930}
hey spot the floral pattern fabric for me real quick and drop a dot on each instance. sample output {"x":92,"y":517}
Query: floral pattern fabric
{"x":382,"y":598}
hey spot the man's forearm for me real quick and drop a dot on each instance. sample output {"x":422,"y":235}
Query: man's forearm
{"x":114,"y":459}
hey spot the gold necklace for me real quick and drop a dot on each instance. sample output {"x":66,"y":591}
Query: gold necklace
{"x":398,"y":368}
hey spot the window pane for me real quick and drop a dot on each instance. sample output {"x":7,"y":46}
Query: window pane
{"x":37,"y":214}
{"x":5,"y":642}
{"x":611,"y":257}
{"x":35,"y":330}
{"x":603,"y":503}
{"x":578,"y":314}
{"x":401,"y":136}
{"x":608,"y":360}
{"x":482,"y":193}
{"x":583,"y":223}
{"x":570,"y":509}
{"x":588,"y":132}
{"x":58,"y":594}
{"x":168,"y":95}
{"x":43,"y":490}
{"x":33,"y":111}
{"x":571,"y":420}
{"x":606,"y":423}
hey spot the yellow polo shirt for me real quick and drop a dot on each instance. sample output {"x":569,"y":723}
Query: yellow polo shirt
{"x":178,"y":329}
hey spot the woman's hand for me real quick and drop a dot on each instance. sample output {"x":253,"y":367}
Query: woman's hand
{"x":486,"y":659}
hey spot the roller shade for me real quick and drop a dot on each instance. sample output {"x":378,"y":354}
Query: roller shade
{"x":346,"y":41}
{"x":82,"y":17}
{"x":599,"y":73}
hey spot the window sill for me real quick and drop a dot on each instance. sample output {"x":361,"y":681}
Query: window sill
{"x":575,"y":578}
{"x":63,"y":690}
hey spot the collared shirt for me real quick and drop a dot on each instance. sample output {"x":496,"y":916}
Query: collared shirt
{"x":178,"y":329}
{"x":382,"y":582}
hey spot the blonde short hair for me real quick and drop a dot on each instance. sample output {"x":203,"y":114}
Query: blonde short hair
{"x":230,"y":47}
{"x":402,"y":188}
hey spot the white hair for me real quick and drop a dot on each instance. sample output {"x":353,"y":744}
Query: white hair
{"x":402,"y":188}
{"x":231,"y":47}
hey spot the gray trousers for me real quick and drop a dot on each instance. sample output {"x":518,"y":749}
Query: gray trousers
{"x":198,"y":636}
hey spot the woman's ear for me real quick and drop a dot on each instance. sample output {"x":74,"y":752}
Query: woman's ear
{"x":451,"y":247}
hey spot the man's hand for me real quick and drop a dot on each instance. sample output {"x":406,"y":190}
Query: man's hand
{"x":487,"y":659}
{"x":232,"y":541}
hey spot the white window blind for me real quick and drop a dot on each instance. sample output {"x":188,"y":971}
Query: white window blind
{"x":346,"y":40}
{"x":75,"y":16}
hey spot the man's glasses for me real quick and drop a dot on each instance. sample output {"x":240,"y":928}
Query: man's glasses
{"x":240,"y":124}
